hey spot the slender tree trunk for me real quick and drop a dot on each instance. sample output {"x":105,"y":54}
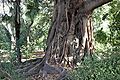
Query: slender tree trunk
{"x":71,"y":34}
{"x":17,"y":29}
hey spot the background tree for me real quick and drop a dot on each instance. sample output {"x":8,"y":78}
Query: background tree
{"x":17,"y":29}
{"x":35,"y":18}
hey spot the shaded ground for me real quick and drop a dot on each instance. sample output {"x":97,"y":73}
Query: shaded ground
{"x":47,"y":73}
{"x":13,"y":70}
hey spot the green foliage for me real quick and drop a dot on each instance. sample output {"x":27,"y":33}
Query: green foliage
{"x":106,"y":64}
{"x":101,"y":36}
{"x":106,"y":59}
{"x":35,"y":20}
{"x":107,"y":17}
{"x":27,"y":50}
{"x":10,"y":69}
{"x":42,"y":21}
{"x":4,"y":38}
{"x":32,"y":8}
{"x":114,"y":26}
{"x":100,"y":22}
{"x":6,"y":18}
{"x":106,"y":67}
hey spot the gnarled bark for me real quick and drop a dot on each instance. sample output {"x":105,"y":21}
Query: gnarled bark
{"x":71,"y":34}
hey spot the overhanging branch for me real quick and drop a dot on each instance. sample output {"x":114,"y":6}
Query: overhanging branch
{"x":93,"y":4}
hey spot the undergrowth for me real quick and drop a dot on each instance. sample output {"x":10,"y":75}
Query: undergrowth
{"x":10,"y":69}
{"x":105,"y":66}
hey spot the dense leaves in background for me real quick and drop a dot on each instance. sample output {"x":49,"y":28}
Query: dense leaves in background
{"x":36,"y":16}
{"x":4,"y":39}
{"x":101,"y":68}
{"x":107,"y":24}
{"x":36,"y":19}
{"x":115,"y":23}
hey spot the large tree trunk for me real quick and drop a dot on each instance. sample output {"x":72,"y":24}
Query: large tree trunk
{"x":71,"y":35}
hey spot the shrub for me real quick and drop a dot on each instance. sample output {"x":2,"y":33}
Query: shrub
{"x":107,"y":68}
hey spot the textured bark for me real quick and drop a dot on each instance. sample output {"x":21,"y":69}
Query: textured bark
{"x":71,"y":34}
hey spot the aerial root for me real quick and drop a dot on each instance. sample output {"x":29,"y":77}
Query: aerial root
{"x":40,"y":68}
